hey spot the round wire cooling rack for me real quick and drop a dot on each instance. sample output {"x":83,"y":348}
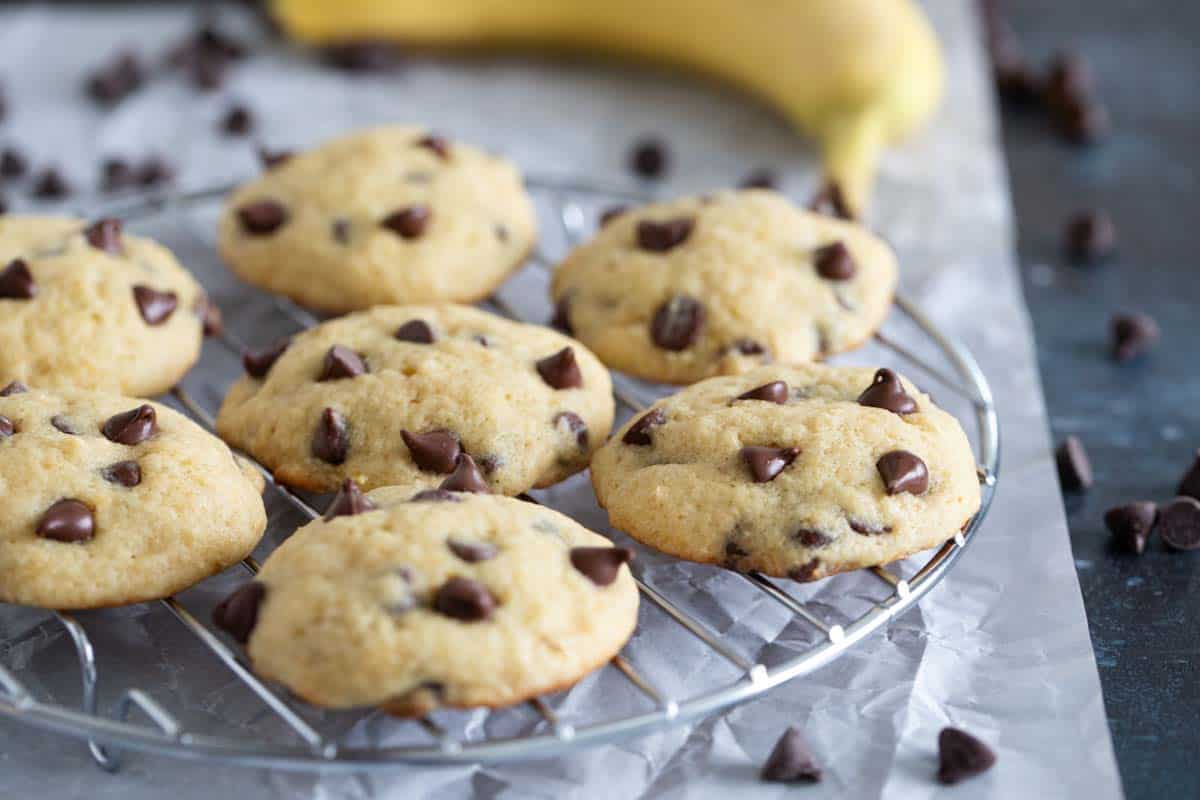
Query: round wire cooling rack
{"x":305,"y":743}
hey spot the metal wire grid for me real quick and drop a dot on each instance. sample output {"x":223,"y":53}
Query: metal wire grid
{"x":167,"y":735}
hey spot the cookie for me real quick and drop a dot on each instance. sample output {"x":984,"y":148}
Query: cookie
{"x":420,"y":395}
{"x":442,"y":599}
{"x":110,"y":500}
{"x":798,"y":471}
{"x":391,"y":215}
{"x":86,"y":305}
{"x":716,"y":285}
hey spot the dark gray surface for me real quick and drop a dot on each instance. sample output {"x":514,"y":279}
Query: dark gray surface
{"x":1140,"y":422}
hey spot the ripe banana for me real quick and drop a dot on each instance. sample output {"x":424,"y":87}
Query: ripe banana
{"x":855,"y":74}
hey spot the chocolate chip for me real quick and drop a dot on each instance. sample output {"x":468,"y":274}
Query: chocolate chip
{"x":105,"y":235}
{"x":748,"y":347}
{"x":1179,"y":523}
{"x":1084,"y":123}
{"x":961,"y":755}
{"x":1133,"y":335}
{"x":560,"y":370}
{"x":433,"y":451}
{"x":773,"y":392}
{"x":811,"y":538}
{"x":7,"y":428}
{"x":62,"y":424}
{"x":12,"y":163}
{"x":804,"y":572}
{"x":887,"y":392}
{"x":131,"y":427}
{"x":1090,"y":236}
{"x":472,"y":552}
{"x":466,"y":477}
{"x":435,"y":496}
{"x":237,"y":614}
{"x":258,"y":363}
{"x":501,"y":231}
{"x":834,"y":262}
{"x":342,"y":362}
{"x":341,"y":231}
{"x":362,"y":55}
{"x":489,"y":463}
{"x":766,"y":463}
{"x":51,"y":185}
{"x":156,"y":307}
{"x":639,"y":432}
{"x":436,"y":144}
{"x":270,"y":159}
{"x":116,"y":79}
{"x":760,"y":179}
{"x":611,"y":213}
{"x":238,"y":121}
{"x":868,"y":529}
{"x":348,"y":501}
{"x":67,"y":521}
{"x":1069,"y":80}
{"x":791,"y":761}
{"x":262,"y":218}
{"x":562,"y":316}
{"x":126,"y":473}
{"x":416,"y":331}
{"x":659,"y":237}
{"x":734,"y":552}
{"x":153,"y":172}
{"x":331,"y":439}
{"x":206,"y":56}
{"x":903,"y":472}
{"x":1074,"y":467}
{"x":408,"y":223}
{"x":464,"y":599}
{"x":677,"y":323}
{"x":15,"y":387}
{"x":1016,"y":82}
{"x":649,"y":158}
{"x":573,"y":423}
{"x":600,"y":565}
{"x":16,"y":282}
{"x":1189,"y":485}
{"x":211,"y":322}
{"x":116,"y":174}
{"x":831,"y":201}
{"x":1130,"y":525}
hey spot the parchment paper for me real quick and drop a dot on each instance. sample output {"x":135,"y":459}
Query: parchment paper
{"x":1000,"y":648}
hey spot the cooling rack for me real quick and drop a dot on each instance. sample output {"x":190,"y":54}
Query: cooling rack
{"x":140,"y":720}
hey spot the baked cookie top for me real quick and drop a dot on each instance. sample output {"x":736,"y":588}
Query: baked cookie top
{"x":85,"y":305}
{"x":389,"y":215}
{"x":445,"y":598}
{"x":110,"y":500}
{"x":800,"y":471}
{"x":418,"y":395}
{"x":679,"y":291}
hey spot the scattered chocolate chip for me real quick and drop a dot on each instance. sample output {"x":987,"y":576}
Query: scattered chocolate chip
{"x":131,"y":427}
{"x":639,"y":432}
{"x":659,"y":237}
{"x":116,"y":174}
{"x":1189,"y":485}
{"x":600,"y":565}
{"x":238,"y":121}
{"x":834,"y":262}
{"x":887,"y":392}
{"x":362,"y":55}
{"x":760,"y":179}
{"x":575,"y":424}
{"x":156,"y":307}
{"x":1130,"y":525}
{"x":331,"y":439}
{"x":804,"y":572}
{"x":1069,"y":79}
{"x":211,"y":323}
{"x":342,"y":362}
{"x":348,"y":501}
{"x":258,"y":363}
{"x":766,"y":463}
{"x":273,"y":158}
{"x":472,"y":552}
{"x":773,"y":392}
{"x":961,"y":755}
{"x":15,"y":387}
{"x":237,"y":614}
{"x":67,"y":521}
{"x":831,"y":201}
{"x":677,"y":323}
{"x":416,"y":331}
{"x":7,"y":428}
{"x":466,"y":477}
{"x":262,"y":218}
{"x":126,"y":473}
{"x":868,"y":529}
{"x":408,"y":223}
{"x":560,"y":370}
{"x":1179,"y":523}
{"x":903,"y":472}
{"x":16,"y":282}
{"x":436,"y":144}
{"x":105,"y":234}
{"x":51,"y":185}
{"x":153,"y":172}
{"x":611,"y":213}
{"x":433,"y":451}
{"x":1084,"y":123}
{"x":435,"y":496}
{"x":1090,"y":236}
{"x":562,"y":320}
{"x":1133,"y":335}
{"x":812,"y":539}
{"x":12,"y":164}
{"x":115,"y":80}
{"x":1016,"y":82}
{"x":205,"y":54}
{"x":464,"y":599}
{"x":791,"y":761}
{"x":1074,"y":467}
{"x":649,"y":158}
{"x":62,"y":424}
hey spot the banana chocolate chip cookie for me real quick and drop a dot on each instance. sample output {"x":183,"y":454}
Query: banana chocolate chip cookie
{"x":390,"y":215}
{"x":435,"y":599}
{"x":715,"y":285}
{"x":87,"y":306}
{"x":801,"y":471}
{"x":110,"y":500}
{"x":421,"y":395}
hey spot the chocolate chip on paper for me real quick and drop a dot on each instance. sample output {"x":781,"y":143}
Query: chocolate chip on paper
{"x":1133,"y":335}
{"x":649,"y":158}
{"x":1074,"y":466}
{"x":791,"y":761}
{"x":1179,"y":524}
{"x":961,"y":756}
{"x":1131,"y":525}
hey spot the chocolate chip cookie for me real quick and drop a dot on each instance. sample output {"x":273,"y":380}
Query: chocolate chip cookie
{"x":438,"y":599}
{"x":680,"y":291}
{"x":798,"y":471}
{"x":87,"y":305}
{"x":110,"y":500}
{"x":390,"y":215}
{"x":421,"y":395}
